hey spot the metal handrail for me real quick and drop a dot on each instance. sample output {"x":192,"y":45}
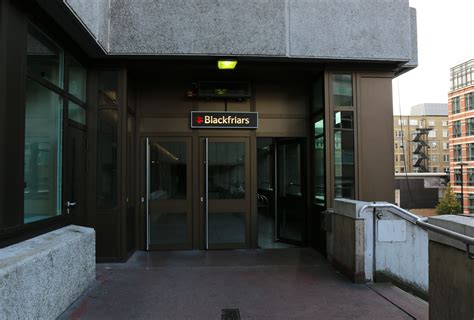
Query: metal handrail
{"x":422,"y":222}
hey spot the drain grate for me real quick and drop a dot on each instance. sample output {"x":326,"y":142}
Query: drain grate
{"x":230,"y":314}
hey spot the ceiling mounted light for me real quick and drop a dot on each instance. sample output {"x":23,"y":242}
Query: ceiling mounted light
{"x":226,"y":64}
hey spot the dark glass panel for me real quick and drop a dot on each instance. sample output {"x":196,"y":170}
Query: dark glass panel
{"x":226,"y":170}
{"x":107,"y":159}
{"x":168,"y":161}
{"x":44,"y":57}
{"x":342,"y":90}
{"x":226,"y":227}
{"x":344,"y":170}
{"x":43,"y":153}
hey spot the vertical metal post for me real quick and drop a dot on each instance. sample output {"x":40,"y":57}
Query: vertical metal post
{"x":275,"y":190}
{"x":206,"y":188}
{"x":462,"y":188}
{"x":147,"y":198}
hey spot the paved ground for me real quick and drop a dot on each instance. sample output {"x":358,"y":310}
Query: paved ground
{"x":262,"y":284}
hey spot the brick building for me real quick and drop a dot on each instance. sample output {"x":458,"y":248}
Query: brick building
{"x":461,"y":120}
{"x":422,"y":139}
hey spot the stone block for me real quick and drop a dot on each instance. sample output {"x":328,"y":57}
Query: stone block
{"x":41,"y":277}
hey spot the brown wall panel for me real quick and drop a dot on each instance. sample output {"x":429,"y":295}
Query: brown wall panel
{"x":269,"y":127}
{"x":282,"y":97}
{"x":12,"y":109}
{"x":375,"y":139}
{"x":173,"y":125}
{"x":163,"y":97}
{"x":107,"y":236}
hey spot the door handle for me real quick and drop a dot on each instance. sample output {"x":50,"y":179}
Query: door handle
{"x":71,"y":204}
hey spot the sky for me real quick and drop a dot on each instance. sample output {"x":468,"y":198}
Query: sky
{"x":445,"y":39}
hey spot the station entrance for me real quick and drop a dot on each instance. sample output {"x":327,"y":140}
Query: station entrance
{"x":214,"y":195}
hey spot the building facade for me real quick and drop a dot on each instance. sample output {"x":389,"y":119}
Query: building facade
{"x":422,"y":139}
{"x":125,"y":117}
{"x":461,"y":119}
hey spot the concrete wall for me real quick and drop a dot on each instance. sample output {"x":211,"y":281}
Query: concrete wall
{"x":41,"y":277}
{"x":401,"y":248}
{"x":402,"y":251}
{"x":451,"y":272}
{"x":364,"y":30}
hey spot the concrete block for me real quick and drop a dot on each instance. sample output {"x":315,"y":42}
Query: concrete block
{"x":41,"y":277}
{"x":94,"y":15}
{"x":347,"y":29}
{"x":198,"y":27}
{"x":457,"y":223}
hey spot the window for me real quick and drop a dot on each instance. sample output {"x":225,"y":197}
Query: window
{"x":342,"y":90}
{"x":456,"y":105}
{"x":319,"y":183}
{"x":445,"y":146}
{"x":470,"y":151}
{"x":432,"y":134}
{"x":396,"y":145}
{"x":456,"y":129}
{"x":446,"y":169}
{"x":435,"y":169}
{"x":470,"y":126}
{"x":402,"y":122}
{"x":434,"y":158}
{"x":434,"y":145}
{"x":402,"y":170}
{"x":445,"y":134}
{"x":344,"y":169}
{"x":413,"y":122}
{"x":469,"y":101}
{"x":445,"y":123}
{"x":431,"y":123}
{"x":457,"y":177}
{"x":457,"y":153}
{"x":396,"y":157}
{"x":43,"y":153}
{"x":470,"y":177}
{"x":43,"y":128}
{"x":446,"y":157}
{"x":402,"y":157}
{"x":399,"y":133}
{"x":77,"y":80}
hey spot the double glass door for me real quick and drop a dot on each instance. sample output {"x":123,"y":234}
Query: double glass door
{"x":219,"y":190}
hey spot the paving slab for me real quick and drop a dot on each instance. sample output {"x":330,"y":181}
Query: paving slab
{"x":296,"y":283}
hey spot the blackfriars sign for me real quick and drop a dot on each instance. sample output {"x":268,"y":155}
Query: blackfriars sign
{"x":224,"y":120}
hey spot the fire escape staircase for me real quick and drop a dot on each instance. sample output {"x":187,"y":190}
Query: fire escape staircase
{"x":421,"y":147}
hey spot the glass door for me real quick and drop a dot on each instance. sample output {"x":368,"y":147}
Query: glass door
{"x":168,"y":184}
{"x":225,"y":186}
{"x":291,"y":189}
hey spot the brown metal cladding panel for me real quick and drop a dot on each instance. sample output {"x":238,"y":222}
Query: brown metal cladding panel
{"x":282,"y":127}
{"x":165,"y":125}
{"x":163,"y":98}
{"x":107,"y":236}
{"x":282,"y":98}
{"x":376,"y":173}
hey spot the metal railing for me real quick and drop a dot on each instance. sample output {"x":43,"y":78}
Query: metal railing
{"x":420,"y":221}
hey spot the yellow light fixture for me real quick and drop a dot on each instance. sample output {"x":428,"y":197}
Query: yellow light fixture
{"x":226,"y":64}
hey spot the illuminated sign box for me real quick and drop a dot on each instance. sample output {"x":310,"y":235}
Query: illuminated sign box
{"x":224,"y":120}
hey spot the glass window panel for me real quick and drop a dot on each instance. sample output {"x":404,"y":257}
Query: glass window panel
{"x":107,"y":159}
{"x":77,"y":80}
{"x":226,"y":227}
{"x":76,"y":113}
{"x":44,"y":58}
{"x":342,"y":90}
{"x":108,"y":84}
{"x":43,"y":152}
{"x":168,"y":169}
{"x":168,"y":228}
{"x":344,"y":179}
{"x":226,"y":170}
{"x":319,"y":182}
